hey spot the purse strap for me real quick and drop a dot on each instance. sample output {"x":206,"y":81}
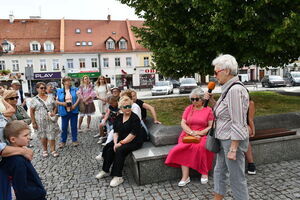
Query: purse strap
{"x":42,"y":102}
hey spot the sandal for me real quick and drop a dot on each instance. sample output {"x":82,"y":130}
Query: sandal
{"x":54,"y":154}
{"x":61,"y":145}
{"x":45,"y":154}
{"x":75,"y":144}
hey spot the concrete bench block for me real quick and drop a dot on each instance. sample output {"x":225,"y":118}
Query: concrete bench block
{"x":286,"y":120}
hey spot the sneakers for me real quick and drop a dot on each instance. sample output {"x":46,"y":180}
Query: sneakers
{"x":251,"y":169}
{"x":183,"y":183}
{"x":204,"y":180}
{"x":116,"y":181}
{"x":102,"y":174}
{"x":75,"y":144}
{"x":101,"y":140}
{"x":97,"y":135}
{"x":99,"y":157}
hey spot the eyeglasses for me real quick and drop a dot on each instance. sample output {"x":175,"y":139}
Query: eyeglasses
{"x":42,"y":88}
{"x":13,"y":98}
{"x":216,"y":72}
{"x":195,"y":99}
{"x":126,"y":107}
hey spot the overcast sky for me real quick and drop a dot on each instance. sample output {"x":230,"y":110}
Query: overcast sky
{"x":70,"y":9}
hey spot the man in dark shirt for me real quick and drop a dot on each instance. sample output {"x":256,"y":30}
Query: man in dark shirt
{"x":25,"y":180}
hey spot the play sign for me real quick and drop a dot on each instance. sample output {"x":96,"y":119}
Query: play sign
{"x":47,"y":75}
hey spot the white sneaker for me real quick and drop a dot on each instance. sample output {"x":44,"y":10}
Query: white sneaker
{"x":99,"y":157}
{"x":100,"y":141}
{"x":183,"y":183}
{"x":204,"y":180}
{"x":97,"y":135}
{"x":116,"y":181}
{"x":102,"y":174}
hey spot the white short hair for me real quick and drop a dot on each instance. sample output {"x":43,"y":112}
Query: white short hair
{"x":197,"y":91}
{"x":226,"y":62}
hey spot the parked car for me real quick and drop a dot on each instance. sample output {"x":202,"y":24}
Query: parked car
{"x":187,"y":85}
{"x":176,"y":84}
{"x":294,"y":78}
{"x":272,"y":81}
{"x":162,"y":87}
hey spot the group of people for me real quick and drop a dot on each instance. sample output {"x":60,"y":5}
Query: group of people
{"x":122,"y":129}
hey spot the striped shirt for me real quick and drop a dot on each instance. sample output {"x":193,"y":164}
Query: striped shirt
{"x":231,"y":113}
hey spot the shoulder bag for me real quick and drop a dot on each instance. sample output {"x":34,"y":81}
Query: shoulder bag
{"x":52,"y":118}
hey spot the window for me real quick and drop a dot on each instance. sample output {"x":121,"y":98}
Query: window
{"x":83,"y":43}
{"x":90,"y":43}
{"x":35,"y":46}
{"x":15,"y":65}
{"x":89,"y":30}
{"x":2,"y":65}
{"x":29,"y":63}
{"x":10,"y":47}
{"x":122,"y":44}
{"x":128,"y":61}
{"x":117,"y":62}
{"x":55,"y":64}
{"x":70,"y":63}
{"x":48,"y":46}
{"x":110,"y":44}
{"x":81,"y":62}
{"x":77,"y":30}
{"x":146,"y":61}
{"x":43,"y":65}
{"x":105,"y":62}
{"x":94,"y":62}
{"x":77,"y":43}
{"x":273,"y":71}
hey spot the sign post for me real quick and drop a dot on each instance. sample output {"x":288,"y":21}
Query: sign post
{"x":29,"y":76}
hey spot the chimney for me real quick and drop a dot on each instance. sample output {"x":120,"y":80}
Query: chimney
{"x":11,"y":18}
{"x":108,"y":17}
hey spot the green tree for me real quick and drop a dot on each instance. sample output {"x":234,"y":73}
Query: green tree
{"x":186,"y":35}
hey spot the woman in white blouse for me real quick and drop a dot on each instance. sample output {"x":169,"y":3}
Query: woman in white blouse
{"x":102,"y":91}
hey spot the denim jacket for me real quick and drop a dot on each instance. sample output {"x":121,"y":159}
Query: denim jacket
{"x":60,"y":92}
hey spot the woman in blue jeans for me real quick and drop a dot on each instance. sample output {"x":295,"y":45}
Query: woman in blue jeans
{"x":67,"y":101}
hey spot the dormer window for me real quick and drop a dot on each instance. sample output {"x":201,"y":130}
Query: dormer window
{"x":77,"y":30}
{"x":35,"y":46}
{"x":9,"y":47}
{"x":110,"y":44}
{"x":83,"y":43}
{"x":89,"y":30}
{"x":122,"y":44}
{"x":48,"y":46}
{"x":77,"y":43}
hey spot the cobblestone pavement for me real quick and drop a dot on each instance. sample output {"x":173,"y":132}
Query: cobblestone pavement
{"x":72,"y":176}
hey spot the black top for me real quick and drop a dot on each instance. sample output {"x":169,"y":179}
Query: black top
{"x":26,"y":181}
{"x":112,"y":114}
{"x":144,"y":111}
{"x":132,"y":125}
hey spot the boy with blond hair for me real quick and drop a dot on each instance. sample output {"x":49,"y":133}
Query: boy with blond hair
{"x":25,"y":180}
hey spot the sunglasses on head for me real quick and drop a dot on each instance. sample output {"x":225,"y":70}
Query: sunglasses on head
{"x":195,"y":99}
{"x":126,"y":107}
{"x":13,"y":98}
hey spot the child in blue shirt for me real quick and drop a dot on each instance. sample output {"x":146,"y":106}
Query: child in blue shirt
{"x":25,"y":180}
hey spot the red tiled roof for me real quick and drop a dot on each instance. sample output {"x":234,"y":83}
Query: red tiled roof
{"x":22,"y":31}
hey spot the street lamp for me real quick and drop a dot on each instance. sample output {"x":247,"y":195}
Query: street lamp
{"x":5,"y":47}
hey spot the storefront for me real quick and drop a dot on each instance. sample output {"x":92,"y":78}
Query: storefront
{"x":45,"y":77}
{"x":147,"y":77}
{"x":76,"y":75}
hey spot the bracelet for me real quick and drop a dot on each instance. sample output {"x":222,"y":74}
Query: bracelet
{"x":192,"y":133}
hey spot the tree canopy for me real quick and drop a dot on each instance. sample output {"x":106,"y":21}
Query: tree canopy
{"x":186,"y":35}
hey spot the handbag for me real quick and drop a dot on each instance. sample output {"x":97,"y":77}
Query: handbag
{"x":190,"y":139}
{"x":212,"y":143}
{"x":81,"y":106}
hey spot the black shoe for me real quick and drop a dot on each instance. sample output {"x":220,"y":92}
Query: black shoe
{"x":251,"y":169}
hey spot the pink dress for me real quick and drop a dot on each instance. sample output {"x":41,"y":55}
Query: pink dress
{"x":193,"y":155}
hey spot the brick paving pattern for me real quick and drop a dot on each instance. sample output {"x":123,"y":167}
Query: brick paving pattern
{"x":72,"y":176}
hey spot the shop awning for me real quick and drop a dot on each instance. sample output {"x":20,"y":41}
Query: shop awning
{"x":80,"y":75}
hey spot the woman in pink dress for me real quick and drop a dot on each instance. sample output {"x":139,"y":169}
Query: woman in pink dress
{"x":196,"y":121}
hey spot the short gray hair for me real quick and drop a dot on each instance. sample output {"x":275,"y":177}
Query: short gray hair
{"x":197,"y":91}
{"x":226,"y":62}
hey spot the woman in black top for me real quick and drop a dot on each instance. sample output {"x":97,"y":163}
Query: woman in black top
{"x":127,"y":138}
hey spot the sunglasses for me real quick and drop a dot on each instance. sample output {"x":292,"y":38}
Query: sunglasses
{"x":195,"y":99}
{"x":216,"y":72}
{"x":126,"y":107}
{"x":13,"y":98}
{"x":42,"y":88}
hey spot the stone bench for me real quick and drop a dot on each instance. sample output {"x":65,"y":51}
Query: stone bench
{"x":147,"y":163}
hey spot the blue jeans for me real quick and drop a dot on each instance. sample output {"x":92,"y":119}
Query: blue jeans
{"x":73,"y":118}
{"x":5,"y":189}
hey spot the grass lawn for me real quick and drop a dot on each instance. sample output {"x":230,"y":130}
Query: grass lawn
{"x":169,"y":110}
